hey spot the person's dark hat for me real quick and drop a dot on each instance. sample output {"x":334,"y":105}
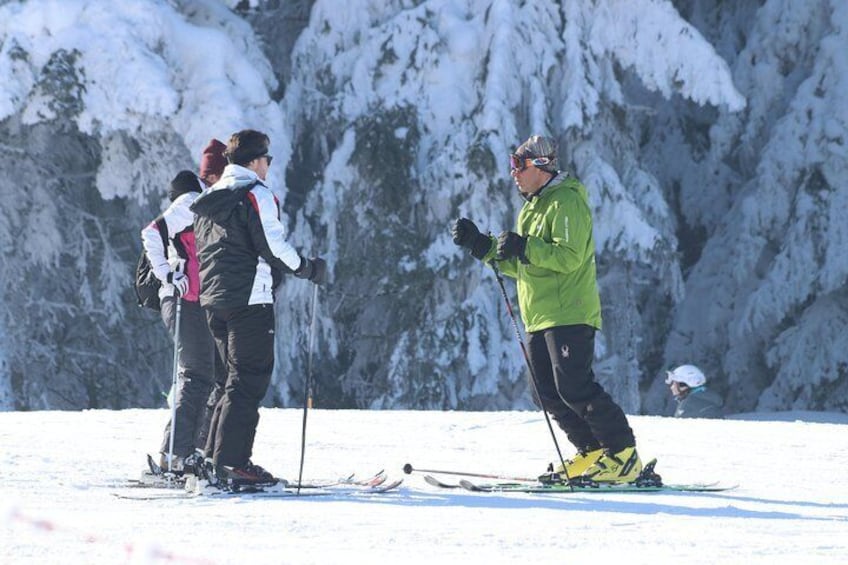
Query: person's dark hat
{"x":213,"y":161}
{"x":185,"y":181}
{"x":246,"y":145}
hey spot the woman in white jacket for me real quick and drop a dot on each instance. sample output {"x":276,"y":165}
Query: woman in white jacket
{"x":170,"y":247}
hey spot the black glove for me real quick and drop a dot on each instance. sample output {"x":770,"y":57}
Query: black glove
{"x":465,"y":234}
{"x":314,"y":270}
{"x":510,"y":245}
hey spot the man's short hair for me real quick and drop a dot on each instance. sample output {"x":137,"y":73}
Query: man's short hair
{"x":246,"y":145}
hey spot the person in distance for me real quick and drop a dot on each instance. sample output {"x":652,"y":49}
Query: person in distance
{"x":688,"y":385}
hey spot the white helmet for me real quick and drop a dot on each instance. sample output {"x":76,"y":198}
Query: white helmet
{"x":690,"y":375}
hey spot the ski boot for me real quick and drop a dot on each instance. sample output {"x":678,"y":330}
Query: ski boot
{"x":614,"y":468}
{"x":573,"y":468}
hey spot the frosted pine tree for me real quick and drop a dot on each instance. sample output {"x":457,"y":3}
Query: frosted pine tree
{"x":766,"y":307}
{"x":100,"y":105}
{"x":716,"y":213}
{"x":414,"y":107}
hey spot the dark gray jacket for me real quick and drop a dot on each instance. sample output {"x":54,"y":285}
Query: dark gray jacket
{"x":700,"y":403}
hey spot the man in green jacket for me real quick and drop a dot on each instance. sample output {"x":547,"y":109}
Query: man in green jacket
{"x":552,"y":257}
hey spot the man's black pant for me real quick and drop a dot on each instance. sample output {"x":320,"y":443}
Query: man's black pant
{"x":245,"y":341}
{"x":561,"y":358}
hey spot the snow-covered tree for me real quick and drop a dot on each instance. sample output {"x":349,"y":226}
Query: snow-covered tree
{"x":414,"y":108}
{"x":710,"y":135}
{"x":100,"y":105}
{"x":765,"y":311}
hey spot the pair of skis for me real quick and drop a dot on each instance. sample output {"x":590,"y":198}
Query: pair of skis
{"x":187,"y":488}
{"x":507,"y":484}
{"x":170,"y":487}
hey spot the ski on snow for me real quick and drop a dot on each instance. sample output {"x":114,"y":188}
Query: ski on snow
{"x":654,"y":484}
{"x":284,"y":492}
{"x":375,"y":484}
{"x":157,"y":477}
{"x":598,"y":488}
{"x":166,"y":480}
{"x":272,"y":492}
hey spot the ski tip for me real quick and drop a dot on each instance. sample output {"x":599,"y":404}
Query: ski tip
{"x":408,"y":468}
{"x":431,"y":480}
{"x":154,"y":467}
{"x":468,"y":485}
{"x":389,"y":486}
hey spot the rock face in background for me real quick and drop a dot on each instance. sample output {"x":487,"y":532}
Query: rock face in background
{"x":711,"y":140}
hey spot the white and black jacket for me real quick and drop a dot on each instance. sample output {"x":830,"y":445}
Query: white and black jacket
{"x":241,"y":242}
{"x":170,"y":246}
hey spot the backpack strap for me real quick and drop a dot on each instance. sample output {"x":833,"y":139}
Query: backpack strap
{"x":162,"y":228}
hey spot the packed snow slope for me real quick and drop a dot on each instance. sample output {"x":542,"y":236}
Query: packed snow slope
{"x":61,"y":470}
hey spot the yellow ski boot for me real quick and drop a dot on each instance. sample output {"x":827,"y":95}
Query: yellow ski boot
{"x":622,"y":467}
{"x":574,"y":467}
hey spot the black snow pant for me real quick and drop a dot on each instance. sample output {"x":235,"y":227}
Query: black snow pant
{"x":561,"y":358}
{"x":245,"y":341}
{"x":195,"y":376}
{"x":212,"y":401}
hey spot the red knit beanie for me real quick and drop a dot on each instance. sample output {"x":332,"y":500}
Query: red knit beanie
{"x":213,"y":160}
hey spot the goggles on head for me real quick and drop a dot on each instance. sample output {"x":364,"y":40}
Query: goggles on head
{"x":519,"y":162}
{"x":670,"y":379}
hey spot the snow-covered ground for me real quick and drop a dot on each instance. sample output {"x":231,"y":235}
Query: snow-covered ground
{"x":791,"y":505}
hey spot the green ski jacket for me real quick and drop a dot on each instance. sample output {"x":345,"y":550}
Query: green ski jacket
{"x":559,"y":285}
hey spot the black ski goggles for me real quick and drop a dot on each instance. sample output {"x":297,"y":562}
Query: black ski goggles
{"x":519,"y":162}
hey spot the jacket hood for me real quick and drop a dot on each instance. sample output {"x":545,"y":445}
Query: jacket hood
{"x":217,"y":201}
{"x":235,"y":176}
{"x":572,"y":183}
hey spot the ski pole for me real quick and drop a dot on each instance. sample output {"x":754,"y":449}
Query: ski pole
{"x":174,"y":383}
{"x":408,"y":469}
{"x":533,"y":379}
{"x":307,"y":388}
